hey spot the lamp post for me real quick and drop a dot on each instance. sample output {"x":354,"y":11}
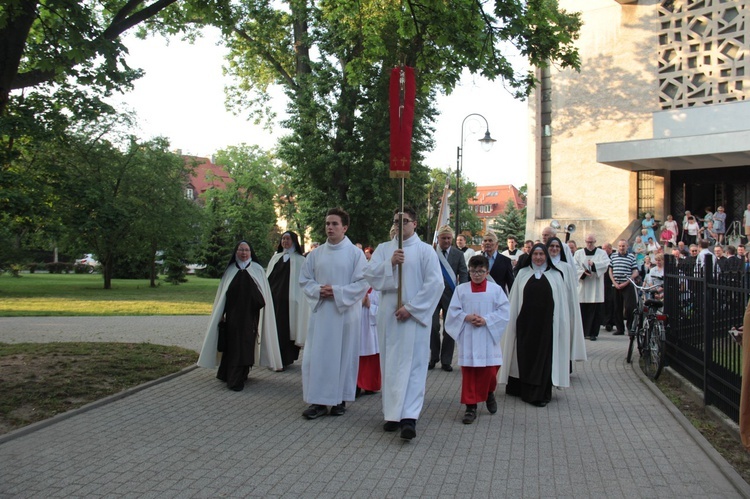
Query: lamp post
{"x":486,"y":142}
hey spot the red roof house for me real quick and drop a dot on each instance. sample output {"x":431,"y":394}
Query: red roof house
{"x":205,"y":175}
{"x":491,"y":200}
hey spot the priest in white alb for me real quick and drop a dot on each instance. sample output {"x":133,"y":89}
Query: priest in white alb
{"x":592,"y":264}
{"x":404,"y":333}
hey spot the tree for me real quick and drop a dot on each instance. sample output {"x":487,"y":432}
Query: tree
{"x":245,"y":209}
{"x":114,"y":191}
{"x":68,"y":42}
{"x":512,"y":222}
{"x":338,"y":147}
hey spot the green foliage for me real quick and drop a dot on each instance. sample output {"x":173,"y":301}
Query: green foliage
{"x":245,"y":209}
{"x":511,"y":222}
{"x":470,"y":222}
{"x":176,"y":269}
{"x":333,"y":60}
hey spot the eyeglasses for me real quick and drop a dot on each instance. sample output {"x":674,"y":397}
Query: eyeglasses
{"x":406,"y":221}
{"x":477,"y":272}
{"x":554,"y":246}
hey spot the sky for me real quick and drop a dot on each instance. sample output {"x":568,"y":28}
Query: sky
{"x":181,"y":96}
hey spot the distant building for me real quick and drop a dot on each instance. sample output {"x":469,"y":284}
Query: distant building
{"x":205,"y":175}
{"x":656,"y":120}
{"x":490,"y":202}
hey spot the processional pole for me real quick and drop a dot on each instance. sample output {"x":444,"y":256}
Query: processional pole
{"x":403,"y":92}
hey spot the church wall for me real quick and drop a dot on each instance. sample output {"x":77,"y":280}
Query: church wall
{"x":611,"y":99}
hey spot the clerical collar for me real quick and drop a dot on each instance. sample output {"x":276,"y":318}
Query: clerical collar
{"x":589,"y":252}
{"x":479,"y":288}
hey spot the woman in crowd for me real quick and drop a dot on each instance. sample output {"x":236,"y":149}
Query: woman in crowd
{"x":720,"y":224}
{"x":645,"y":267}
{"x":708,"y":232}
{"x":655,"y":277}
{"x":691,"y":231}
{"x":537,"y":344}
{"x":671,"y":226}
{"x":639,"y":247}
{"x":685,"y":222}
{"x":652,"y":246}
{"x":291,"y":308}
{"x":243,"y":307}
{"x":648,"y":223}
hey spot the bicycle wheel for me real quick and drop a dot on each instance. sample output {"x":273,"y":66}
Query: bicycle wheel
{"x":653,"y":351}
{"x":632,"y":333}
{"x":658,"y":350}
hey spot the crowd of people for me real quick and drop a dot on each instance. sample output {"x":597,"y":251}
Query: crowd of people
{"x":377,"y":320}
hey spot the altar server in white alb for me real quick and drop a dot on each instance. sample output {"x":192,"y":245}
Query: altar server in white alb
{"x":477,"y":317}
{"x":404,"y":332}
{"x":334,"y":285}
{"x":592,"y":264}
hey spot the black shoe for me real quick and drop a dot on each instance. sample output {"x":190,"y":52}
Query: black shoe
{"x":470,"y":416}
{"x":540,"y":403}
{"x":408,"y":429}
{"x":391,"y":426}
{"x":491,"y":403}
{"x":338,"y":410}
{"x":315,"y":411}
{"x":608,"y":328}
{"x":431,"y":365}
{"x":447,"y":368}
{"x":592,"y":338}
{"x":618,"y":333}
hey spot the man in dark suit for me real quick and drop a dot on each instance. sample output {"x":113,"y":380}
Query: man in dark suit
{"x":501,"y":268}
{"x":453,"y":266}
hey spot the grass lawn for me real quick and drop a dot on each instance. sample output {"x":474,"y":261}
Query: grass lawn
{"x":38,"y":381}
{"x":84,"y":294}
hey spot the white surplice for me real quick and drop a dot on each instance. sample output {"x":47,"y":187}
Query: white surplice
{"x":331,"y":356}
{"x":405,"y":346}
{"x":478,"y":346}
{"x":299,"y":309}
{"x":368,"y":342}
{"x":577,"y":339}
{"x":591,"y":289}
{"x":267,"y":347}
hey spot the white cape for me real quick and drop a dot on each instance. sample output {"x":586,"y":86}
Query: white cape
{"x":267,"y":351}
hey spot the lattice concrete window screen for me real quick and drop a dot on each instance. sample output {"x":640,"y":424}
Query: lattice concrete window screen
{"x":703,"y":52}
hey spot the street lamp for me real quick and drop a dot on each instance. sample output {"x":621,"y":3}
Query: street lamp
{"x":486,"y":142}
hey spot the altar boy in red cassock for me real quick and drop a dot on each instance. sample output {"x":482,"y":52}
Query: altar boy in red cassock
{"x":477,"y":317}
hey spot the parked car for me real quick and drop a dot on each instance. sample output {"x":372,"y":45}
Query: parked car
{"x":89,"y":262}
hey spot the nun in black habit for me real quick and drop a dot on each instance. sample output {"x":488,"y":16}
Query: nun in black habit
{"x":536,"y":344}
{"x":243,"y":306}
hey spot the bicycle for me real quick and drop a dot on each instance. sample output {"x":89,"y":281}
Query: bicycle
{"x":648,"y":331}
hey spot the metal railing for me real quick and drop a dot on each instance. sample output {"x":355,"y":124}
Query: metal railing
{"x":703,"y":304}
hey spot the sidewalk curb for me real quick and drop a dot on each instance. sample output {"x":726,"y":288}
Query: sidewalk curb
{"x":743,"y":488}
{"x":91,"y":405}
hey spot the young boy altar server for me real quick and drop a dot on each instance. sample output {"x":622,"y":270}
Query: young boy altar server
{"x":477,"y":317}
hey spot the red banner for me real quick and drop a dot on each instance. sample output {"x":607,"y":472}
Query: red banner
{"x":403,"y":92}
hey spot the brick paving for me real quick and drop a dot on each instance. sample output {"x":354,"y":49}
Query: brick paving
{"x":189,"y":436}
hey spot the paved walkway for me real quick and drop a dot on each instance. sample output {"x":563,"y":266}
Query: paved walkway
{"x":609,"y":435}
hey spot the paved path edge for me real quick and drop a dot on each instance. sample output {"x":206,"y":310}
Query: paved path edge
{"x":91,"y":405}
{"x":726,"y":469}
